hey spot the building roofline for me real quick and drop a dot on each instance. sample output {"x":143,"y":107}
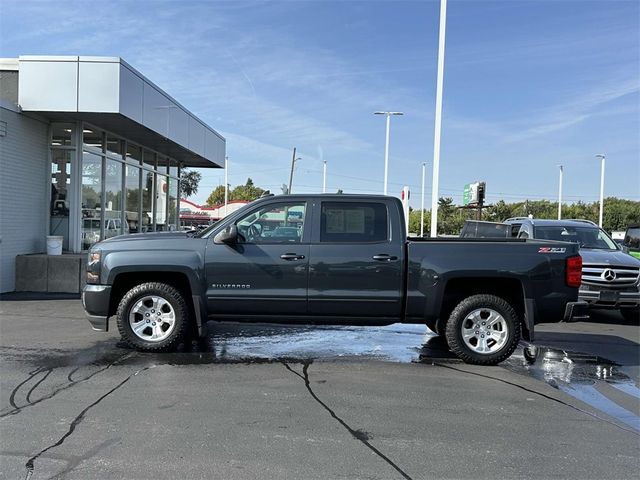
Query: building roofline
{"x":94,"y":59}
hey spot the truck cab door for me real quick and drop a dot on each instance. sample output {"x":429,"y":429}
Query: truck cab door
{"x":356,"y":264}
{"x":265,"y":270}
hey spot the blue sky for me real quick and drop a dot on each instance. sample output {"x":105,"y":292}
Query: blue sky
{"x":528,"y":85}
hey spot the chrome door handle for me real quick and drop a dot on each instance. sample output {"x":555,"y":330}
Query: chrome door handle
{"x":291,"y":256}
{"x":383,"y":257}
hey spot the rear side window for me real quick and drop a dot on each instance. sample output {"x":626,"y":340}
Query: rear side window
{"x":353,"y":222}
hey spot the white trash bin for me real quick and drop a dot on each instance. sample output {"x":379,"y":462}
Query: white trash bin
{"x":54,"y":244}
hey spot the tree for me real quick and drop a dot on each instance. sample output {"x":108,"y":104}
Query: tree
{"x":216,"y":197}
{"x":247,"y":192}
{"x":189,"y":180}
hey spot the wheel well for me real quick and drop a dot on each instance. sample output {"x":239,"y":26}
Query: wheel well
{"x":124,"y":282}
{"x":457,"y":289}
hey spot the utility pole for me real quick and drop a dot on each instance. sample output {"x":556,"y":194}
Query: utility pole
{"x":293,"y":162}
{"x":293,"y":166}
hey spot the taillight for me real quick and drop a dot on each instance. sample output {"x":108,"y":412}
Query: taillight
{"x":574,"y":271}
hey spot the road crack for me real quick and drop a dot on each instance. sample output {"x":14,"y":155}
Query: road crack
{"x":30,"y":465}
{"x":12,"y":399}
{"x":359,"y":435}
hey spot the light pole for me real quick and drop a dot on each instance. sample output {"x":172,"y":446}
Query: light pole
{"x":601,"y":157}
{"x":424,"y":167}
{"x":226,"y":184}
{"x":560,"y":193}
{"x":438,"y":121}
{"x":386,"y":145}
{"x":324,"y":177}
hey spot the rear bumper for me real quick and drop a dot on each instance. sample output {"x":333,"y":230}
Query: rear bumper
{"x":576,"y":311}
{"x":95,"y":300}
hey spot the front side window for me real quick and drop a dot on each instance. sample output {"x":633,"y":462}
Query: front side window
{"x":281,"y":223}
{"x":632,"y":239}
{"x":353,"y":222}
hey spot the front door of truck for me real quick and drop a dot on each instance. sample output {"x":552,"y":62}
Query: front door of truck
{"x":355,"y":268}
{"x":266,"y":271}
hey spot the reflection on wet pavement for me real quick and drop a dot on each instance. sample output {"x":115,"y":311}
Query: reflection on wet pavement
{"x":591,"y":379}
{"x":247,"y":342}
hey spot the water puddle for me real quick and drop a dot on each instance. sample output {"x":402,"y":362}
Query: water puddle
{"x":587,"y":378}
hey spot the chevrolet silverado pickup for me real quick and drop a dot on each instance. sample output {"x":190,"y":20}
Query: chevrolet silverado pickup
{"x":331,"y":259}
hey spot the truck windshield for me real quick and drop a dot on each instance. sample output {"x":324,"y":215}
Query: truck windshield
{"x":586,"y":237}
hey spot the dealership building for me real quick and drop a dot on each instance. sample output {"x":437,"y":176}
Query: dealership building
{"x":89,"y":149}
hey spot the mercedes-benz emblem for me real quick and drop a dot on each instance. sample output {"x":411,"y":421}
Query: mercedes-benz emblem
{"x":609,"y":275}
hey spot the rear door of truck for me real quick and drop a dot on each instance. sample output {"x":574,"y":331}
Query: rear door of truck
{"x":356,"y":259}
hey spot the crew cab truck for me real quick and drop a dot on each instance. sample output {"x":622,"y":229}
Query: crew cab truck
{"x":345,"y":259}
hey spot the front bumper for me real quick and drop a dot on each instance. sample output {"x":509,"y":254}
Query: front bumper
{"x":627,"y":298}
{"x":95,"y":300}
{"x":576,"y":311}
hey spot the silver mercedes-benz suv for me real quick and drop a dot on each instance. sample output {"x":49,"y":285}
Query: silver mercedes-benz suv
{"x":610,"y":277}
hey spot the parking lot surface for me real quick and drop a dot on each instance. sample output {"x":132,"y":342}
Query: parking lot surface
{"x":256,"y":401}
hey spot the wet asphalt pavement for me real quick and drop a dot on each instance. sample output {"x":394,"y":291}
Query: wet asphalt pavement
{"x":264,"y":401}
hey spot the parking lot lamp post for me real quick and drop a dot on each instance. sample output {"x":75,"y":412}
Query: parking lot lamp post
{"x":226,"y":184}
{"x":386,"y":145}
{"x":601,"y":157}
{"x":560,"y":194}
{"x":324,"y":177}
{"x":424,"y":167}
{"x":438,"y":120}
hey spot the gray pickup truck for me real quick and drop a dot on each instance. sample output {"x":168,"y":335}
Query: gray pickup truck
{"x":331,"y":259}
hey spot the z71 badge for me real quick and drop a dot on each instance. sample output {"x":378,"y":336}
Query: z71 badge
{"x":551,"y":250}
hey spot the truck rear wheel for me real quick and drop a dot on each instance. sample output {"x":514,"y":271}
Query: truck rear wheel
{"x":152,"y":317}
{"x":483,"y":330}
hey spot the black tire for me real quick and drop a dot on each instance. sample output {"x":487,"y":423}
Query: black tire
{"x":631,"y":314}
{"x":508,"y":334}
{"x":172,"y":301}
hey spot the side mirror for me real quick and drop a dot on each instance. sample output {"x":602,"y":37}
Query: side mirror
{"x":624,"y":248}
{"x":228,"y":236}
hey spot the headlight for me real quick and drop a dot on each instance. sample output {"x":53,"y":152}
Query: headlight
{"x":93,"y":266}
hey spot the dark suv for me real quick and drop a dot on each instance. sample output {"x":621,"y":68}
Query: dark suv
{"x":610,"y":277}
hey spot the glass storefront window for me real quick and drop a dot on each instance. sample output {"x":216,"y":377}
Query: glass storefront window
{"x":132,"y":207}
{"x":134,"y":153}
{"x":163,"y":164}
{"x":147,"y":201}
{"x":149,"y":159}
{"x":60,"y":194}
{"x":62,"y":135}
{"x":91,"y":198}
{"x":113,"y":200}
{"x":162,"y":188}
{"x":172,"y":219}
{"x":115,"y":145}
{"x":92,"y":138}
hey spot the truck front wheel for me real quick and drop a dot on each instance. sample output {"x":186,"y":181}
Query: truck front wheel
{"x":483,"y":330}
{"x":152,"y":317}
